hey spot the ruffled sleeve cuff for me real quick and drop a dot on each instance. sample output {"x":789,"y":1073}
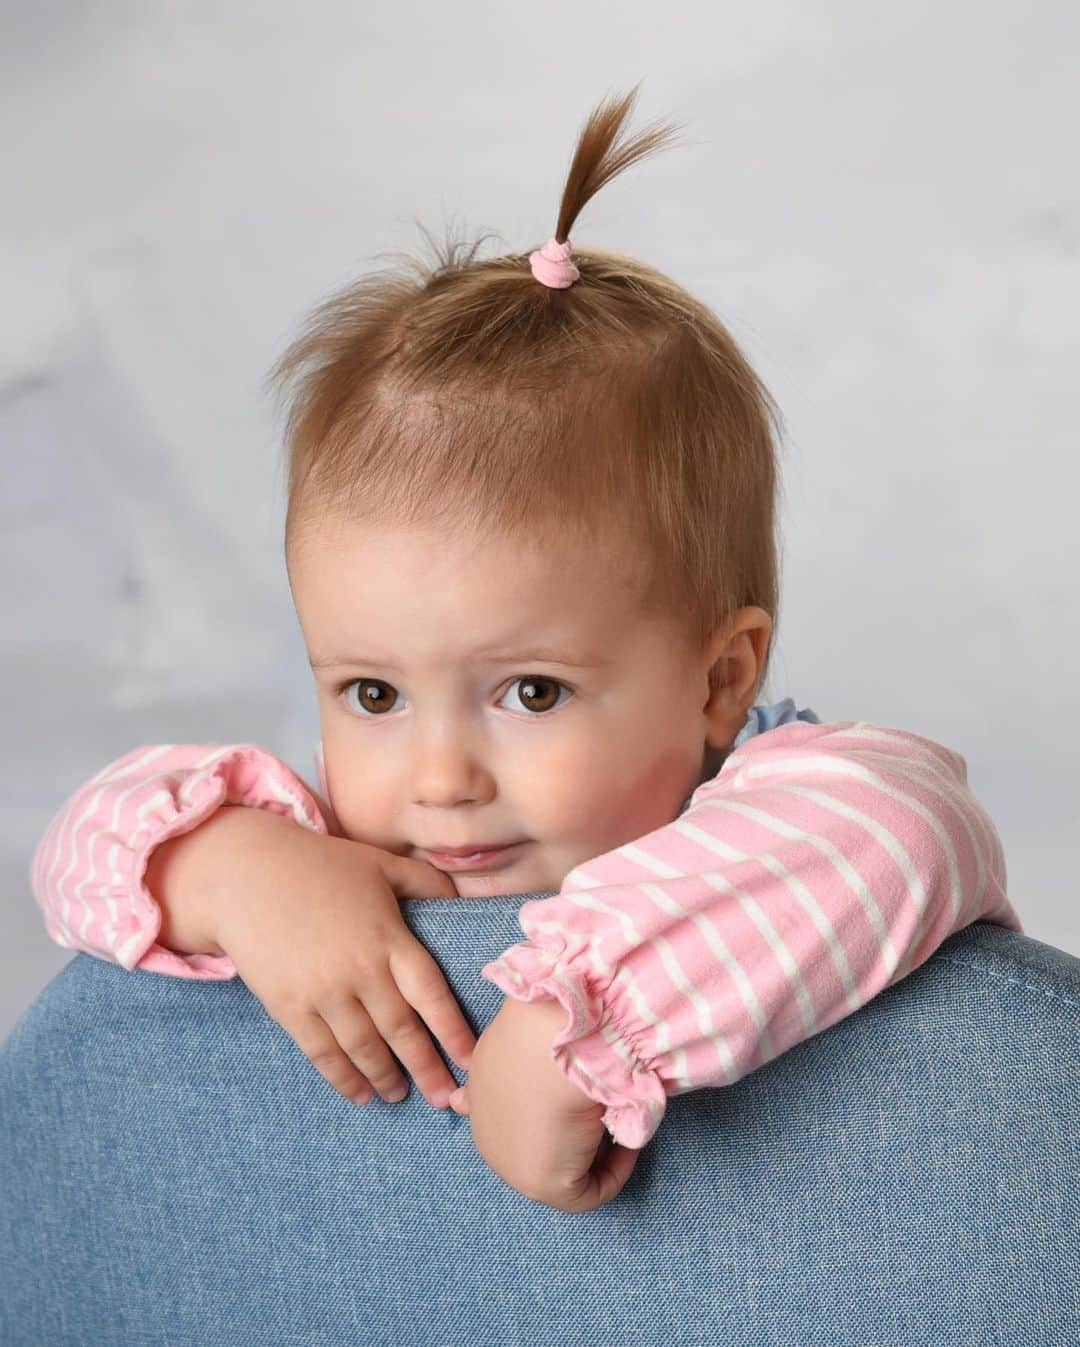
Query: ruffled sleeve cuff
{"x":593,"y":1051}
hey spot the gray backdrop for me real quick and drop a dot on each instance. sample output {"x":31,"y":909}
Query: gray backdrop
{"x":881,"y":201}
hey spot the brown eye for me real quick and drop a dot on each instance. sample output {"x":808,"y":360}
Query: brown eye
{"x":537,"y":693}
{"x":374,"y":696}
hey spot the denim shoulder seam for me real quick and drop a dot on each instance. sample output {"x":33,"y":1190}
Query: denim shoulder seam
{"x":1001,"y":977}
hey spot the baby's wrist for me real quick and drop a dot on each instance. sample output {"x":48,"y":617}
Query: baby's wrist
{"x":170,"y":879}
{"x":194,"y":875}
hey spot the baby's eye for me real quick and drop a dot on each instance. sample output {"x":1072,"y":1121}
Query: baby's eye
{"x":537,"y":692}
{"x":374,"y":696}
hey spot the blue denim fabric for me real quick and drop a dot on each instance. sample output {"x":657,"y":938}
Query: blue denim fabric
{"x":173,"y":1171}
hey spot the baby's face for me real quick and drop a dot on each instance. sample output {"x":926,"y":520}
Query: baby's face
{"x":475,"y":693}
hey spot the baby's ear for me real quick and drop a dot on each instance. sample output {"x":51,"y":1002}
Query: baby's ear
{"x":736,"y":659}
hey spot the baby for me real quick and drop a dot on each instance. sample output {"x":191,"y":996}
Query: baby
{"x":531,"y":528}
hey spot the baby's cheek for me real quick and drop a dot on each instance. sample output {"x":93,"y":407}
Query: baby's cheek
{"x":358,"y":810}
{"x":644,"y":796}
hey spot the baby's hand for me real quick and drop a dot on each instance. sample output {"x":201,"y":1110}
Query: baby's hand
{"x":534,"y":1128}
{"x":321,"y":941}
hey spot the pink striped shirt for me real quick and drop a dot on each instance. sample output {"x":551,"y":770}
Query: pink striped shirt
{"x":821,"y":864}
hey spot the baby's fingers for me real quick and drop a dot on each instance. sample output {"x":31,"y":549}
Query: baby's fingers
{"x":421,"y":982}
{"x":606,"y":1178}
{"x":362,"y":1044}
{"x":316,"y":1040}
{"x":410,"y":1040}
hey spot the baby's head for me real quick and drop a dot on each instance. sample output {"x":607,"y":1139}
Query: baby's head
{"x":530,"y":538}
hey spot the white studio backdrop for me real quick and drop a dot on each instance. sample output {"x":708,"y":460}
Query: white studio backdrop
{"x":881,"y":202}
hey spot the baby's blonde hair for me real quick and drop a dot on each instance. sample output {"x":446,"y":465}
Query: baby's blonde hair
{"x":618,"y":411}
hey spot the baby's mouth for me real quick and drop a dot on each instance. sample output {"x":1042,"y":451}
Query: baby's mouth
{"x":487,"y":858}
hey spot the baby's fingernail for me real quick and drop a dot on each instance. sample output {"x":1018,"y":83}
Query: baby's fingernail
{"x":457,"y":1098}
{"x":395,"y":1095}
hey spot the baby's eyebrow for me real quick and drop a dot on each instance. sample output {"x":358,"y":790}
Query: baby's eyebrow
{"x":578,"y":659}
{"x":546,"y":655}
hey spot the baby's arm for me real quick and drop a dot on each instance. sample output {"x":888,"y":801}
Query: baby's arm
{"x":822,"y":864}
{"x":88,"y":871}
{"x":160,"y":843}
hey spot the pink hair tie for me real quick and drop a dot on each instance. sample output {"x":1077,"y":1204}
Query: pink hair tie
{"x":552,"y":266}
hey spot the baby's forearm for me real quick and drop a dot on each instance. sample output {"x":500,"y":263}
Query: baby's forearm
{"x":194,"y":874}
